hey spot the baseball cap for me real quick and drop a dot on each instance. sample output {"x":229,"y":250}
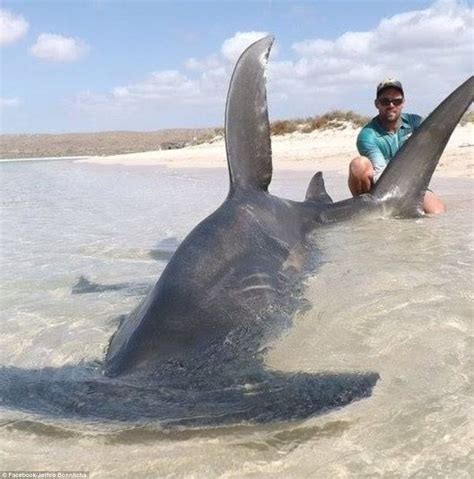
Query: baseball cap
{"x":389,"y":83}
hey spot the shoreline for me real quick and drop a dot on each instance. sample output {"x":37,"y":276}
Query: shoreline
{"x":326,"y":150}
{"x":44,"y":158}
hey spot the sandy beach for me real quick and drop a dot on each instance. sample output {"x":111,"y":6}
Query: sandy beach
{"x":326,"y":150}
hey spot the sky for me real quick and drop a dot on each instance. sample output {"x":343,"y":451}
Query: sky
{"x":100,"y":65}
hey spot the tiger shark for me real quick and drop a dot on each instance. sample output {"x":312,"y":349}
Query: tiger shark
{"x":193,"y":351}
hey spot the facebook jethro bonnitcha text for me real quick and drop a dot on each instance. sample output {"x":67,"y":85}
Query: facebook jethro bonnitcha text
{"x":44,"y":475}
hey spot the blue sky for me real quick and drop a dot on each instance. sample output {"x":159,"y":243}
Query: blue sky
{"x":73,"y":66}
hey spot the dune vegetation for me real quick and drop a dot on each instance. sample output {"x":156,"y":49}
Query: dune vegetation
{"x":120,"y":142}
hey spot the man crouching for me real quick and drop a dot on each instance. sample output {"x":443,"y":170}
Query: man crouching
{"x":379,"y":141}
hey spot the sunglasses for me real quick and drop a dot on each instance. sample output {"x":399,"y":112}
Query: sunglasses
{"x":387,"y":101}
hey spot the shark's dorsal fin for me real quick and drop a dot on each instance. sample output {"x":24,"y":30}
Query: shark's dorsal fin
{"x":316,"y":190}
{"x":247,"y":129}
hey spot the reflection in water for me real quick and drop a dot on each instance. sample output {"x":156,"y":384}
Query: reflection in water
{"x":165,"y":249}
{"x":85,"y":286}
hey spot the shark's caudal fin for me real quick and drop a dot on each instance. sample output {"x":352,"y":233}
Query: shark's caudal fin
{"x":247,"y":129}
{"x":408,"y":174}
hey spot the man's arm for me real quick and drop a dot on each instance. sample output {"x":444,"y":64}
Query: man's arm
{"x":367,"y":147}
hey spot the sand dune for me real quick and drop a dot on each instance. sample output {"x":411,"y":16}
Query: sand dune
{"x":327,"y":150}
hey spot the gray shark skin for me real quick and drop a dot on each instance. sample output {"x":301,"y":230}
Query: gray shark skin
{"x":236,"y":270}
{"x":192,"y":353}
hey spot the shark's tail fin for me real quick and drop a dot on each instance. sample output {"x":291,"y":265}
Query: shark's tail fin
{"x":247,"y":129}
{"x":407,"y":176}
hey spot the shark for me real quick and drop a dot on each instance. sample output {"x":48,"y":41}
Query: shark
{"x":192,"y":353}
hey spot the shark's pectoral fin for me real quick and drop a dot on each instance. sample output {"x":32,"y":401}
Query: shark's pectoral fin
{"x":316,"y":190}
{"x":247,"y":128}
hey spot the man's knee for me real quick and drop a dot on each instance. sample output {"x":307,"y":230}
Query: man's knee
{"x":432,"y":204}
{"x":360,"y":167}
{"x":361,"y":173}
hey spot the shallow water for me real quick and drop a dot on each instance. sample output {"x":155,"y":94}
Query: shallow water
{"x":393,"y":296}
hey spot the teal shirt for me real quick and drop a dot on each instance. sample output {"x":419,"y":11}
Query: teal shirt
{"x":380,"y":146}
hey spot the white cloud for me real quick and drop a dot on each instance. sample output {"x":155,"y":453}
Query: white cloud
{"x":429,"y":29}
{"x":12,"y":27}
{"x":162,"y":86}
{"x":56,"y":48}
{"x":355,"y":43}
{"x":435,"y":29}
{"x":208,"y":63}
{"x":434,"y":44}
{"x":429,"y":50}
{"x":161,"y":91}
{"x":9,"y":102}
{"x":233,"y":47}
{"x":172,"y":87}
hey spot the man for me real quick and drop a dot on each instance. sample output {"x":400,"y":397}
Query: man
{"x":381,"y":138}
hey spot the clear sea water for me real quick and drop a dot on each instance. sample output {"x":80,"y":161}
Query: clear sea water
{"x":394,"y":296}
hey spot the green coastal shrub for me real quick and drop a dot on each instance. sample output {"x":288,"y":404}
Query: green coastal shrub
{"x":331,"y":119}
